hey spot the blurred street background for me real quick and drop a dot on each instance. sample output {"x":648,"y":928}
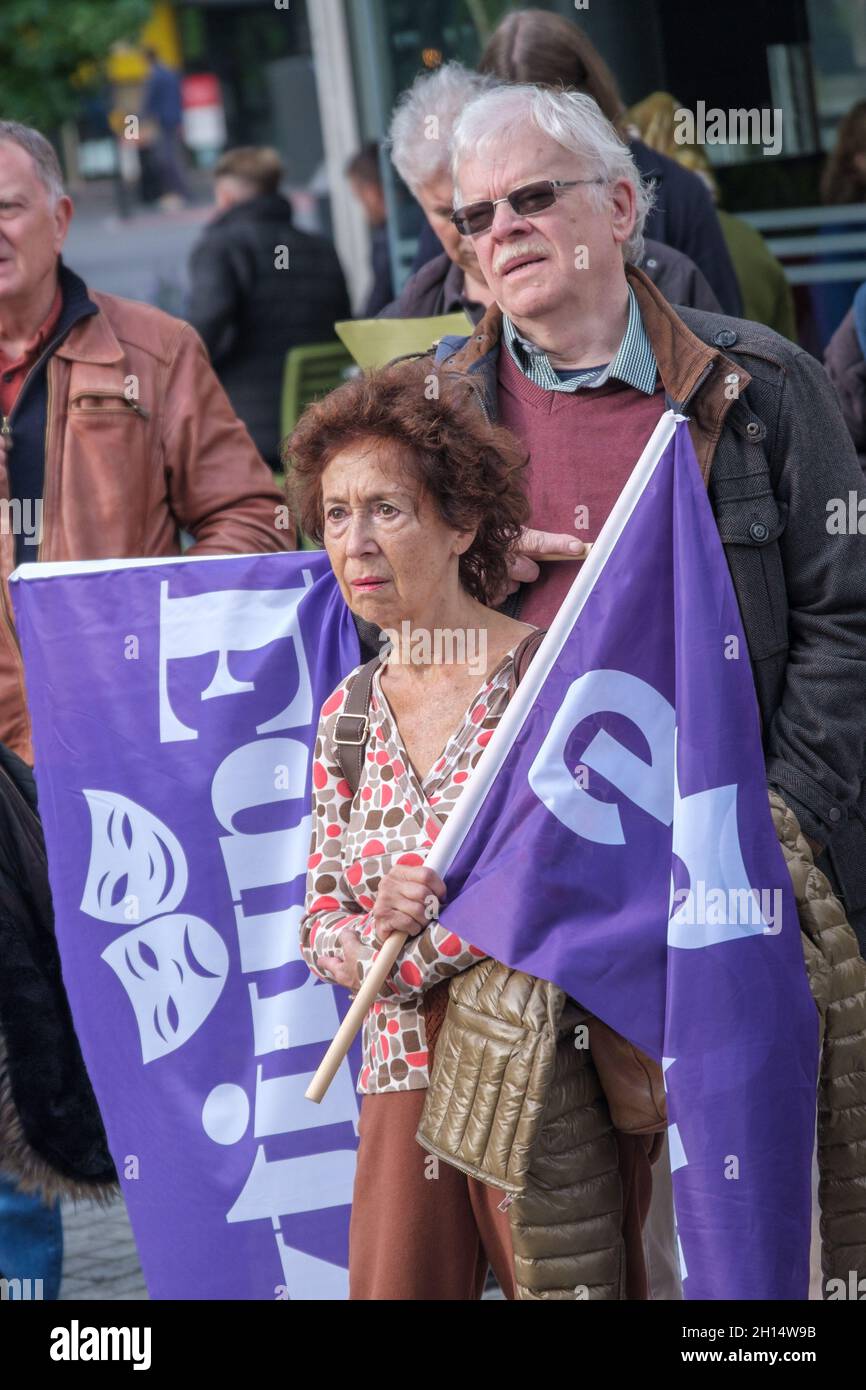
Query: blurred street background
{"x":317,"y":81}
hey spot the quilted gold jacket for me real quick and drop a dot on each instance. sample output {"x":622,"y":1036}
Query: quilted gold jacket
{"x":514,"y":1102}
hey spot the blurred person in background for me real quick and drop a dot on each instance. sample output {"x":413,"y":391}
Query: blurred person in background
{"x":162,"y":105}
{"x":845,"y":360}
{"x":365,"y":181}
{"x":843,"y":183}
{"x":764,"y":287}
{"x":844,"y":177}
{"x":258,"y":287}
{"x":537,"y":47}
{"x":452,"y":280}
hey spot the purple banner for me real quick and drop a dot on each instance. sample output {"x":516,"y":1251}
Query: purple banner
{"x":175,"y":707}
{"x":647,"y":881}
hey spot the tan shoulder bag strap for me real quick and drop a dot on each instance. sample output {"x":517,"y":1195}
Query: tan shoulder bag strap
{"x":353,"y":725}
{"x":523,"y":656}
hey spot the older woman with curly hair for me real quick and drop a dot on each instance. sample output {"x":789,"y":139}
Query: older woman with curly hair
{"x":418,"y":502}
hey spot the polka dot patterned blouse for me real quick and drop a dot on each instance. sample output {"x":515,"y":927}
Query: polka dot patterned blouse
{"x":394,"y":818}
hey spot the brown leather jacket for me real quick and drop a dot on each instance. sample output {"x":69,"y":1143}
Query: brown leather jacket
{"x":140,"y":443}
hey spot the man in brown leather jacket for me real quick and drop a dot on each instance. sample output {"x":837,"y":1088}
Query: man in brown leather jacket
{"x":115,"y":434}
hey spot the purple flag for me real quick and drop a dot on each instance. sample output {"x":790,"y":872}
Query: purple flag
{"x":647,"y":880}
{"x":175,"y":706}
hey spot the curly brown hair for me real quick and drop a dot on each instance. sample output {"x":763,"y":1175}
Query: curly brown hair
{"x":473,"y":470}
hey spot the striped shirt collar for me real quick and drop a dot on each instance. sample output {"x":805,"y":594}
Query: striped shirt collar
{"x":633,"y":363}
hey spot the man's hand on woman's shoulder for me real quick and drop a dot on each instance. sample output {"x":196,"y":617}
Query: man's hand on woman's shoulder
{"x":534,"y":547}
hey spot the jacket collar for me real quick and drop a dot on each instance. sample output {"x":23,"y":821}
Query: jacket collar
{"x":684,"y":361}
{"x":89,"y":335}
{"x":696,"y":377}
{"x":264,"y":205}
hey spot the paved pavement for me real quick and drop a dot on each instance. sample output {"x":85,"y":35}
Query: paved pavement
{"x":100,"y":1261}
{"x":143,"y":256}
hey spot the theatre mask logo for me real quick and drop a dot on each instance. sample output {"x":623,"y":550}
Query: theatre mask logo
{"x":173,"y":966}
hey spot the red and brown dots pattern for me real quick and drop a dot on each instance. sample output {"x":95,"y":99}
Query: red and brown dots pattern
{"x":356,"y":840}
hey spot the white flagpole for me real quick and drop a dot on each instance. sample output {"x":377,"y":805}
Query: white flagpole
{"x":457,"y":826}
{"x":468,"y":804}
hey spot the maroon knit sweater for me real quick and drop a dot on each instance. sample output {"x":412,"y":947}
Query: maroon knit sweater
{"x":582,"y":448}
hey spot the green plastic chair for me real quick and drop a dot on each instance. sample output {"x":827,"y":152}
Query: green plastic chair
{"x":310,"y":372}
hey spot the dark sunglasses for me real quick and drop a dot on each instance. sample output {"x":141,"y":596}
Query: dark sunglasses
{"x":525,"y":201}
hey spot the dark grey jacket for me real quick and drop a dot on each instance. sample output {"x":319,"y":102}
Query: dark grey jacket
{"x":782,"y":456}
{"x":250,"y":310}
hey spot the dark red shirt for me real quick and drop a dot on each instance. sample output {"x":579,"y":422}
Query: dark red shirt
{"x":582,"y":448}
{"x":12,"y":373}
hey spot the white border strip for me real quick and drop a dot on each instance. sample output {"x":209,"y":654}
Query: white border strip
{"x":52,"y":569}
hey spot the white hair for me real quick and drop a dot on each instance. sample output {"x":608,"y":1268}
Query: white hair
{"x":41,"y":151}
{"x":423,"y":121}
{"x":572,"y":119}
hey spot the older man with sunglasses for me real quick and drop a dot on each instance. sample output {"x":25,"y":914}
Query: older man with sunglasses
{"x":580,"y":355}
{"x":451,"y":282}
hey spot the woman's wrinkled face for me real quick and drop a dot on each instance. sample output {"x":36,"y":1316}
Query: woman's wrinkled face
{"x":393,"y":555}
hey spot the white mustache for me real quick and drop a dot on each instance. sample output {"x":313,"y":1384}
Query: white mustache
{"x":518,"y":249}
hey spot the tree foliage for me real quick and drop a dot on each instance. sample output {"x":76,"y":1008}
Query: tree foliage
{"x":50,"y":48}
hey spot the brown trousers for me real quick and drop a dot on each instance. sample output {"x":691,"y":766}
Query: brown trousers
{"x":637,"y":1152}
{"x":420,"y":1229}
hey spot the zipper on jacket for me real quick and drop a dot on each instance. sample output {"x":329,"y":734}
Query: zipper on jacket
{"x":4,"y":605}
{"x":6,"y":430}
{"x":99,"y":394}
{"x":45,"y":458}
{"x":55,"y":342}
{"x":698,"y":384}
{"x":506,"y":1201}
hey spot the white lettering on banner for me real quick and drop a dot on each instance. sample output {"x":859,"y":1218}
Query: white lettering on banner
{"x":307,"y":1013}
{"x":174,"y":967}
{"x":707,"y":840}
{"x":705,"y":830}
{"x":265,"y":938}
{"x":290,"y":1185}
{"x":309,"y":1278}
{"x":281,"y":1106}
{"x":224,"y":621}
{"x":649,"y":785}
